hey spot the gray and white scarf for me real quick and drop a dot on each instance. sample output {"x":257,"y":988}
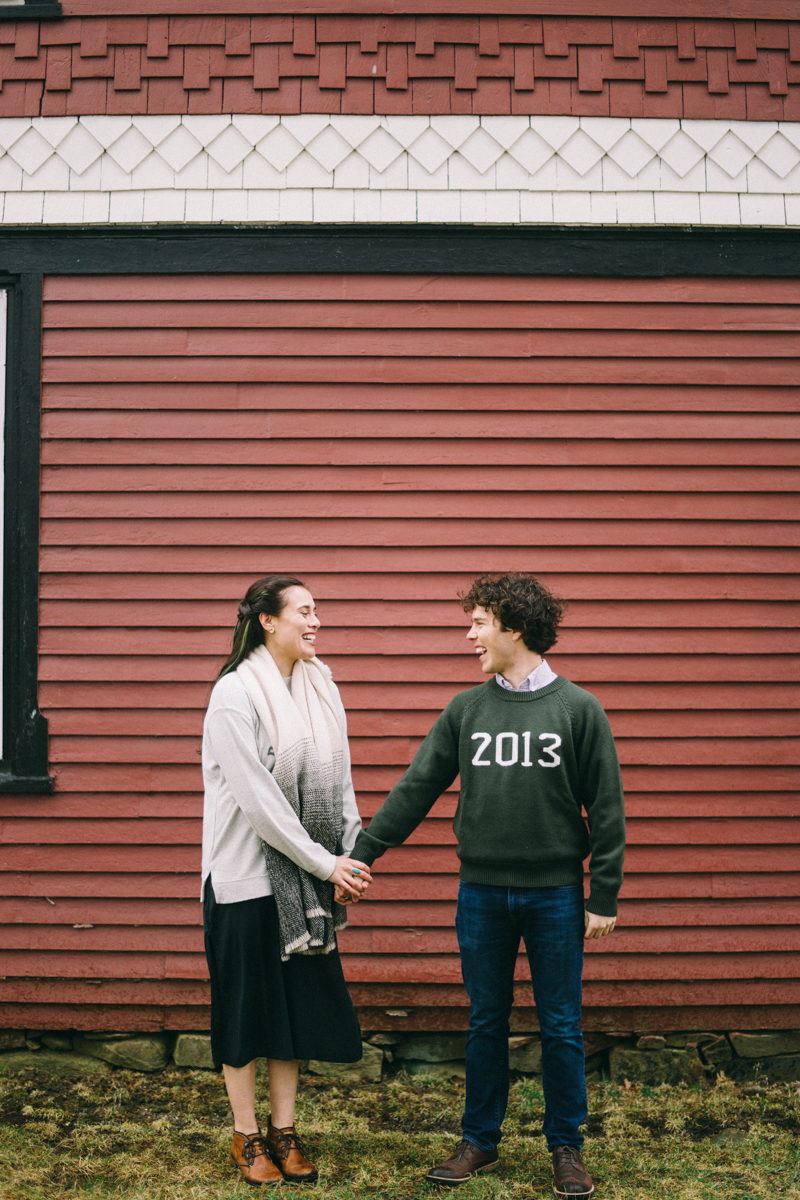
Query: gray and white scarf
{"x":303,"y":727}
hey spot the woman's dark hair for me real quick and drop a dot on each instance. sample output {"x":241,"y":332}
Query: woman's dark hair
{"x":519,"y":601}
{"x":264,"y":596}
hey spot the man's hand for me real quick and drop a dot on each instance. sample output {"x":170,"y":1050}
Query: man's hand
{"x":350,"y":879}
{"x":597,"y":927}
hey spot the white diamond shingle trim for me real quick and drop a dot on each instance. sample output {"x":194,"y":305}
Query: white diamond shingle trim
{"x":595,"y":170}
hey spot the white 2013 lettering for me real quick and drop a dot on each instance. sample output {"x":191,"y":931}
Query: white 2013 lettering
{"x":498,"y":749}
{"x":510,"y":757}
{"x":555,"y":759}
{"x":477,"y":761}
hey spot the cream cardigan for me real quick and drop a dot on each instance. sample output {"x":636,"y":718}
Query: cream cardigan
{"x":244,"y":806}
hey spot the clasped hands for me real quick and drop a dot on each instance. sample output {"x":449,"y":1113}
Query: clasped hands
{"x":350,"y":879}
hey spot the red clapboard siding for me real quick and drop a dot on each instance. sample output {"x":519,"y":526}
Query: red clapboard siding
{"x":634,"y":442}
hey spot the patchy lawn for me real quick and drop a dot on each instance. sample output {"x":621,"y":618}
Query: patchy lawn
{"x":165,"y":1137}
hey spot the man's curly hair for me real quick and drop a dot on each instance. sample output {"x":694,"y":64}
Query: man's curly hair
{"x":519,"y":601}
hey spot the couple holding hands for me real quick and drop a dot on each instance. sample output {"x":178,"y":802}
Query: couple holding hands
{"x":284,"y":853}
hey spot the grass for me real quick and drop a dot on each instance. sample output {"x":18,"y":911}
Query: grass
{"x":166,"y":1136}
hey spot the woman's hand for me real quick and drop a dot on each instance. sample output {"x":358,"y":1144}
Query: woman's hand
{"x":350,"y":878}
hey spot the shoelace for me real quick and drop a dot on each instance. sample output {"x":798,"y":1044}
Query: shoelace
{"x":570,"y":1157}
{"x":285,"y":1140}
{"x":252,"y":1147}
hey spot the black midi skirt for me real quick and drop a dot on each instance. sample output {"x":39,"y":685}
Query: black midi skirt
{"x":262,"y":1007}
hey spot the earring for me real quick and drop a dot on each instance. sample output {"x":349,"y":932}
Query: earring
{"x":270,"y":628}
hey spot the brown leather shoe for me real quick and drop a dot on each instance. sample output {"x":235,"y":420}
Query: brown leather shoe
{"x":249,"y":1154}
{"x":570,"y":1177}
{"x":467,"y":1160}
{"x":289,"y":1156}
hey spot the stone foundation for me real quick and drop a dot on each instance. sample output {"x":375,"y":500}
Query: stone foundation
{"x":691,"y":1057}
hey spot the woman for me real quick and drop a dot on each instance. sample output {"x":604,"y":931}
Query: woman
{"x":279,"y":815}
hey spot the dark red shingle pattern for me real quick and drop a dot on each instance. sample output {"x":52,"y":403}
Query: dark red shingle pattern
{"x":589,"y":66}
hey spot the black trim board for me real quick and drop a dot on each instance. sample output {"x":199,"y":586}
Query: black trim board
{"x":30,"y":11}
{"x":403,"y":249}
{"x":24,"y":764}
{"x":26,"y":254}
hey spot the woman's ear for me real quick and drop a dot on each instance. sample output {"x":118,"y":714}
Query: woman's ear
{"x":266,"y":623}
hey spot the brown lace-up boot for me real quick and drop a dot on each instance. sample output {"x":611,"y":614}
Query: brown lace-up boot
{"x":570,"y":1177}
{"x":249,"y":1154}
{"x":465,"y":1161}
{"x":289,"y":1156}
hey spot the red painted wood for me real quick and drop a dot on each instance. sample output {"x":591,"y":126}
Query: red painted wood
{"x":355,"y":531}
{"x":138,"y":664}
{"x":751,"y":371}
{"x":421,"y":339}
{"x":422,"y":62}
{"x":394,"y":587}
{"x":346,"y":398}
{"x":415,"y":968}
{"x":409,"y":859}
{"x":425,"y":613}
{"x":395,"y":288}
{"x":432,"y":832}
{"x":654,"y":1018}
{"x":431,"y":314}
{"x":376,"y":506}
{"x":316,"y":425}
{"x":749,"y":484}
{"x":416,"y":696}
{"x":157,"y":939}
{"x":349,"y":424}
{"x":91,"y":805}
{"x":646,"y":914}
{"x":130,"y":722}
{"x":410,"y":941}
{"x":636,"y":969}
{"x":399,"y":751}
{"x":572,"y":452}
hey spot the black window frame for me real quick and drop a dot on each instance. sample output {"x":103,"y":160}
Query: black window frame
{"x":28,"y":254}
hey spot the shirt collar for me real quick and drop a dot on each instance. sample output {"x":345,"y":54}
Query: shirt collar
{"x":539,"y":677}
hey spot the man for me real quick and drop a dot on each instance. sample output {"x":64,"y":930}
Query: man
{"x":532,"y":749}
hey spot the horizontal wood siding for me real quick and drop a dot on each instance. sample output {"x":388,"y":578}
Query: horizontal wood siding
{"x":387,"y":438}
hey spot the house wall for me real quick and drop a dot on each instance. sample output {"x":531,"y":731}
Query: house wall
{"x":388,"y":437}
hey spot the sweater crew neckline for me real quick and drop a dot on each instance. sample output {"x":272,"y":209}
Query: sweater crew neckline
{"x":515,"y":697}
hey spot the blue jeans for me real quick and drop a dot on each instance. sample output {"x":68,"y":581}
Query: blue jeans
{"x":490,"y":922}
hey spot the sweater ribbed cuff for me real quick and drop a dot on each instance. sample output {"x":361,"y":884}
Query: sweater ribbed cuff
{"x":366,"y":849}
{"x":602,"y":904}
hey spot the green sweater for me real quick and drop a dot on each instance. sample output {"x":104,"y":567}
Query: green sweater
{"x":528,"y":761}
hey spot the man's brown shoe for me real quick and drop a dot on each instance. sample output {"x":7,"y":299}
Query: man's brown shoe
{"x":249,"y":1154}
{"x":288,"y":1154}
{"x":570,"y":1177}
{"x":466,"y":1161}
